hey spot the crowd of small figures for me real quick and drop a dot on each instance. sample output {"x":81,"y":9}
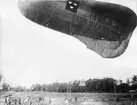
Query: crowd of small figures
{"x":29,"y":100}
{"x":41,"y":100}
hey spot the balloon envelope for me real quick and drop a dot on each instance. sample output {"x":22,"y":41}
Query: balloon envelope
{"x":105,"y":28}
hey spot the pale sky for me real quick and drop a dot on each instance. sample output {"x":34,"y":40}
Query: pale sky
{"x":31,"y":53}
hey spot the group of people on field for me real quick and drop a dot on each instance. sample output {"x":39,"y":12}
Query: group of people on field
{"x":29,"y":100}
{"x":41,"y":100}
{"x":35,"y":100}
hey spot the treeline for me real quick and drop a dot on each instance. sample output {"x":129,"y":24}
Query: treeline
{"x":108,"y":85}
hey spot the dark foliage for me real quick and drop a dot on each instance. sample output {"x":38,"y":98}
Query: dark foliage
{"x":104,"y":85}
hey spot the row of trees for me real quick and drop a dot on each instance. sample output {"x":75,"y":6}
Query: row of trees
{"x":90,"y":85}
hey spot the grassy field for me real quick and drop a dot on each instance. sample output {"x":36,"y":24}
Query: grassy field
{"x":91,"y":98}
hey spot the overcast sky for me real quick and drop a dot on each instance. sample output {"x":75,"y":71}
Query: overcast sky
{"x":34,"y":54}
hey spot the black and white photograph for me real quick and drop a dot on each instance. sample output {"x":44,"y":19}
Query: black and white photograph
{"x":68,"y":52}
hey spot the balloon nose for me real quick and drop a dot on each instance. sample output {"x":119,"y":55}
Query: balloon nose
{"x":23,"y":5}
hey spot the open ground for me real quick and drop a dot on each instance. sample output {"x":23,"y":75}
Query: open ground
{"x":82,"y":98}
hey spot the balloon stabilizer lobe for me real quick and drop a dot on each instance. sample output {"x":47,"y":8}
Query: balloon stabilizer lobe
{"x":105,"y":28}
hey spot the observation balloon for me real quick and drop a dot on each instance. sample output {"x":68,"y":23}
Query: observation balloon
{"x":105,"y":28}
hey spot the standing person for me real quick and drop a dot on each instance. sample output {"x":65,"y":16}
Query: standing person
{"x":49,"y":101}
{"x":30,"y":100}
{"x":132,"y":99}
{"x":5,"y":100}
{"x":84,"y":99}
{"x":19,"y":100}
{"x":9,"y":100}
{"x":76,"y":99}
{"x":132,"y":94}
{"x":66,"y":101}
{"x":15,"y":100}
